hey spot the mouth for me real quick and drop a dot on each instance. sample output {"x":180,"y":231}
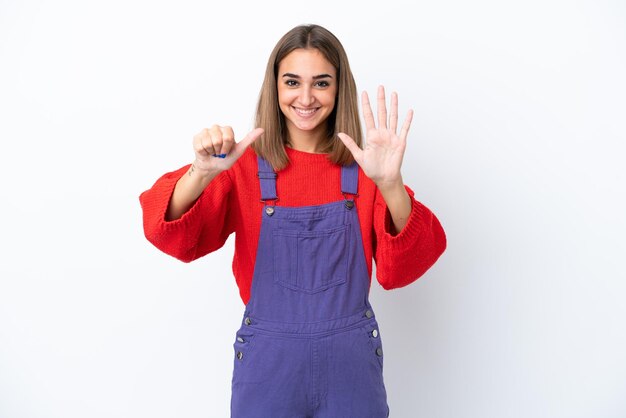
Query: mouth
{"x":305,"y":113}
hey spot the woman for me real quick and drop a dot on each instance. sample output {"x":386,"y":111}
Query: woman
{"x":310,"y":209}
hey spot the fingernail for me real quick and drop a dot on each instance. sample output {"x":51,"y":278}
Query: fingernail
{"x":220,"y":155}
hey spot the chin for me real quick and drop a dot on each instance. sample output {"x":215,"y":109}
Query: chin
{"x":307,"y":127}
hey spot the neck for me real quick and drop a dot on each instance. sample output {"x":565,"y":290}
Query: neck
{"x":307,"y":141}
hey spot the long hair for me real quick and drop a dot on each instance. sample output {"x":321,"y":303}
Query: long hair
{"x":344,"y":117}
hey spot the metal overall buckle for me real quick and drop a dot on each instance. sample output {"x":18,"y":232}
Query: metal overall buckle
{"x":349,"y":203}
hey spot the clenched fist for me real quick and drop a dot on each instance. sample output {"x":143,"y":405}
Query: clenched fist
{"x":216,"y":149}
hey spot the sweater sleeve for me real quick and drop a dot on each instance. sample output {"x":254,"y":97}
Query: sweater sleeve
{"x":204,"y":228}
{"x":404,"y":257}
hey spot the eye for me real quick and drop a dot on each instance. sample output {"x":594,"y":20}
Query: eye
{"x":291,"y":83}
{"x":322,"y":83}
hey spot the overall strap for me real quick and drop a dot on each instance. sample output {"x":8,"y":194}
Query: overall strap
{"x":267,"y":178}
{"x":350,"y":178}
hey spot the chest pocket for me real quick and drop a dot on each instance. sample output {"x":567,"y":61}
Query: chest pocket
{"x":311,"y":261}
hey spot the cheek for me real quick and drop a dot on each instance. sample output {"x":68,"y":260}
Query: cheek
{"x":330,"y":98}
{"x":285,"y":96}
{"x":330,"y":104}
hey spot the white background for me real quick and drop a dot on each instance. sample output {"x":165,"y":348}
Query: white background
{"x":516,"y":145}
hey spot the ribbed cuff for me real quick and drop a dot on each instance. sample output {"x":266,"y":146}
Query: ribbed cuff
{"x":156,"y":201}
{"x":412,"y":229}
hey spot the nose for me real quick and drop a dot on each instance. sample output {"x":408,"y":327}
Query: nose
{"x":307,"y":97}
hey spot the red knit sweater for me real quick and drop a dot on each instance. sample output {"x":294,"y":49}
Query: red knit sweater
{"x":231,"y":203}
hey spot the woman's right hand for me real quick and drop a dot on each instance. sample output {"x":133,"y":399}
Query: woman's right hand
{"x":209,"y":143}
{"x":216,"y":140}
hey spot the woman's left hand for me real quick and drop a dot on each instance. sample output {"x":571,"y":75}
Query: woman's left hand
{"x":381,"y":158}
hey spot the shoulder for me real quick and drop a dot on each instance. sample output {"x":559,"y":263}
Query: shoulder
{"x":244,"y":170}
{"x":245,"y":163}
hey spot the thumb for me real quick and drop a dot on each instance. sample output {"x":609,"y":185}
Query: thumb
{"x":241,"y":146}
{"x":351,"y":145}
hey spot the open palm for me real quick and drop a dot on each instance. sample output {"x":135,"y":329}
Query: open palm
{"x":381,"y":158}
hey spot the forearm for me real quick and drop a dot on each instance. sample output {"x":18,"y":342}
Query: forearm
{"x":188,"y":188}
{"x":398,"y":202}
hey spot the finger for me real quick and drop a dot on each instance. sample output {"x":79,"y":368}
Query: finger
{"x":354,"y":149}
{"x":228,"y":139}
{"x":404,"y":132}
{"x":208,"y":150}
{"x":368,"y":115}
{"x":382,"y":108}
{"x":200,"y":142}
{"x":393,"y":116}
{"x":214,"y":143}
{"x":215,"y":135}
{"x":241,"y":146}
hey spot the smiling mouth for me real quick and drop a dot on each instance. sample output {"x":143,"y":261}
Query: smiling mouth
{"x":305,"y":112}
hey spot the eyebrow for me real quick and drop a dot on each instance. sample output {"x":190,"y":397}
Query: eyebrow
{"x":315,"y":77}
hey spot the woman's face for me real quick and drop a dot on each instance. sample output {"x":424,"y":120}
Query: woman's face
{"x":307,"y":87}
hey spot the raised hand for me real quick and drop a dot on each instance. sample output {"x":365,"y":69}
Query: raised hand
{"x":216,"y":149}
{"x":209,"y":142}
{"x":381,"y":158}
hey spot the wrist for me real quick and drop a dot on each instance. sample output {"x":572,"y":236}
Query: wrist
{"x":390,"y":186}
{"x":198,"y":172}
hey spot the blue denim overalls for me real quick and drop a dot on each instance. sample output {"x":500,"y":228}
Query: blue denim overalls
{"x":309,"y":345}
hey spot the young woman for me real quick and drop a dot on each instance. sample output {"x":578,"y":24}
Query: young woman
{"x":310,"y":208}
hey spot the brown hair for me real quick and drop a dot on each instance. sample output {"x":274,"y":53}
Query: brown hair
{"x":344,"y":117}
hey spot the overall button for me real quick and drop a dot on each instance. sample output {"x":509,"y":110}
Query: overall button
{"x":239,"y":355}
{"x":241,"y":340}
{"x":269,"y":210}
{"x":375,"y":333}
{"x":379,"y":352}
{"x":349,"y":204}
{"x":369,"y":313}
{"x":247,"y":321}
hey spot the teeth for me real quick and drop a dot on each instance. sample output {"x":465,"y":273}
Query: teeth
{"x":305,"y":112}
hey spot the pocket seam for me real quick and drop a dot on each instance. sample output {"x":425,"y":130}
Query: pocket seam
{"x":320,"y":233}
